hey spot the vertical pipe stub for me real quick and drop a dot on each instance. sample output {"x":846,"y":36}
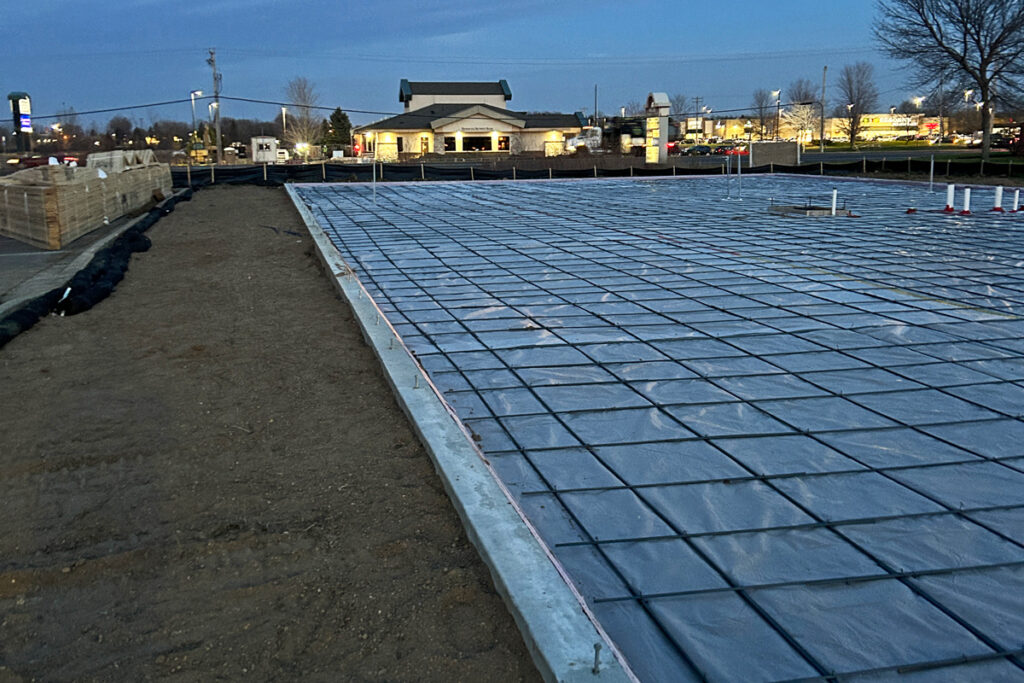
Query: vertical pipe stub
{"x":835,"y":199}
{"x":967,"y":202}
{"x":1016,"y":200}
{"x":950,"y":192}
{"x":998,"y":203}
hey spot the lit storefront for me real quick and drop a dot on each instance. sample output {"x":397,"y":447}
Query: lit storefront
{"x":473,"y":127}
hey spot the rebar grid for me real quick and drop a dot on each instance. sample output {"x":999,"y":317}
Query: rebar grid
{"x":650,"y":360}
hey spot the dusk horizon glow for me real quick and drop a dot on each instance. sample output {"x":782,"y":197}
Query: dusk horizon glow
{"x":552,"y":54}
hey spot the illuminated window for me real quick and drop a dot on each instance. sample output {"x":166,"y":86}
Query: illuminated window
{"x":477,"y":143}
{"x":502,"y":143}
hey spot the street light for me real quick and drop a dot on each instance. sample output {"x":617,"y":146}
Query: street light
{"x":777,"y":94}
{"x":967,"y":95}
{"x":284,"y":121}
{"x":195,"y":131}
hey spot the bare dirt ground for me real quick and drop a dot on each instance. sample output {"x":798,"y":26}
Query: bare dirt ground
{"x":206,"y":478}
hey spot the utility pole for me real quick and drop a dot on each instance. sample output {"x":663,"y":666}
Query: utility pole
{"x":212,"y":61}
{"x":942,"y":96}
{"x":595,"y":105}
{"x":821,"y":139}
{"x":697,"y":117}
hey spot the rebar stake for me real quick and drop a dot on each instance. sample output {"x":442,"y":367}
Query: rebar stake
{"x":597,"y":659}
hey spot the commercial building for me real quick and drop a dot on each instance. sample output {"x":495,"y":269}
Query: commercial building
{"x":464,"y":118}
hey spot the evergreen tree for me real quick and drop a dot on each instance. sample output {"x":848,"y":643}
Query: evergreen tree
{"x":338,"y":130}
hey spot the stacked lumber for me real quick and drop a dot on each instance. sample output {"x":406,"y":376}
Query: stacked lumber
{"x":51,"y":206}
{"x":121,"y":160}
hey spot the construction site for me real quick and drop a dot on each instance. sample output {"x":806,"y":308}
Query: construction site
{"x":657,"y":428}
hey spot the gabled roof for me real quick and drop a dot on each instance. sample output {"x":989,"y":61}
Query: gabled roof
{"x":433,"y":115}
{"x":577,"y":120}
{"x":407,"y":89}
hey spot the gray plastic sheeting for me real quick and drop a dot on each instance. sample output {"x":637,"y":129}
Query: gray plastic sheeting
{"x":764,"y":448}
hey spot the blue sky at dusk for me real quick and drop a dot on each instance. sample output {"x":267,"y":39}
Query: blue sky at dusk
{"x":94,"y":55}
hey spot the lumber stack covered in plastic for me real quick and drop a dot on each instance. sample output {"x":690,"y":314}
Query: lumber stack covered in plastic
{"x":51,"y":206}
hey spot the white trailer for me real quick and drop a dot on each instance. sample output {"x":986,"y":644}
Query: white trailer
{"x":264,"y":149}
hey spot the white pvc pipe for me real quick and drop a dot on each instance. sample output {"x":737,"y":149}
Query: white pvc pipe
{"x":950,"y":191}
{"x":967,"y":201}
{"x":739,"y":175}
{"x":998,"y":205}
{"x":1016,"y":200}
{"x":835,"y":198}
{"x":728,"y":177}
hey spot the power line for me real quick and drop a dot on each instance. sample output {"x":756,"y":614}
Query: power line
{"x":347,"y":110}
{"x":558,"y":61}
{"x":107,"y":111}
{"x":310,"y":106}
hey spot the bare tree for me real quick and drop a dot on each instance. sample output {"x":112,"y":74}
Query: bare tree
{"x":634,"y":108}
{"x":859,"y":94}
{"x":803,"y":119}
{"x":981,"y":40}
{"x":763,"y":111}
{"x":802,"y":90}
{"x":680,"y":104}
{"x":304,"y":125}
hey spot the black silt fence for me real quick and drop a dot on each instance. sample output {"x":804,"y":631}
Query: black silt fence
{"x":314,"y":173}
{"x":93,"y":283}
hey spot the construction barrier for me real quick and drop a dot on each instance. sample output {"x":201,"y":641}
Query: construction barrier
{"x":406,"y":172}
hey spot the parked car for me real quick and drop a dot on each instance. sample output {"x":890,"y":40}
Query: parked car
{"x":995,"y":140}
{"x":33,"y":160}
{"x":731,"y":150}
{"x":699,"y":151}
{"x":676,"y":147}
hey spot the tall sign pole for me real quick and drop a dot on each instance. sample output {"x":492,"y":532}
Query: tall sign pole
{"x":212,"y":61}
{"x":657,"y":109}
{"x":21,"y":116}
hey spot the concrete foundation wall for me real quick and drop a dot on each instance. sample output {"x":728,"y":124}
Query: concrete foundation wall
{"x":782,"y":153}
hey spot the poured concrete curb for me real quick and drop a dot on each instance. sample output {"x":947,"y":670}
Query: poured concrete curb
{"x":550,"y":615}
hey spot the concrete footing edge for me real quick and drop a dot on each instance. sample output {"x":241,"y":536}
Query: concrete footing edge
{"x":551,"y":617}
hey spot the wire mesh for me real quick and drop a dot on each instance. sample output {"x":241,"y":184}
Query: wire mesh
{"x":764,"y":447}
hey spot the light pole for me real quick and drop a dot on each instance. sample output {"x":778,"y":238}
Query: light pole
{"x":777,"y":94}
{"x":849,"y":116}
{"x":284,"y":121}
{"x":193,"y":95}
{"x":195,"y":129}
